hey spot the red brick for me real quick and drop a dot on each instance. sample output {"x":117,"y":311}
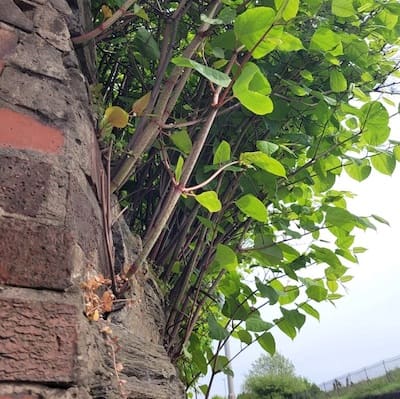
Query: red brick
{"x":35,"y":255}
{"x":23,"y":132}
{"x":38,"y":341}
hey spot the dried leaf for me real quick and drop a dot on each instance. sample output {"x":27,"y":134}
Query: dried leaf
{"x":107,"y":12}
{"x":140,"y":105}
{"x":107,"y":301}
{"x":95,"y":316}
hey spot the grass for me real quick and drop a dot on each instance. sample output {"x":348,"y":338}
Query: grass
{"x":380,"y":385}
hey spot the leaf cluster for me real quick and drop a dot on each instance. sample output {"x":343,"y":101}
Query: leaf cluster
{"x":228,"y":173}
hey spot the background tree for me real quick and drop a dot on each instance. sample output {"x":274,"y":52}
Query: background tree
{"x":243,"y":115}
{"x":274,"y":377}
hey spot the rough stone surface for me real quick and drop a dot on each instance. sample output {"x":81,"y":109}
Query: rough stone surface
{"x":32,"y":188}
{"x":8,"y":44}
{"x":23,"y":132}
{"x":52,"y":27}
{"x":38,"y":341}
{"x":33,"y":53}
{"x":35,"y":255}
{"x":13,"y":15}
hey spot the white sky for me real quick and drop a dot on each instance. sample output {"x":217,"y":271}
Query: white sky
{"x":364,"y":327}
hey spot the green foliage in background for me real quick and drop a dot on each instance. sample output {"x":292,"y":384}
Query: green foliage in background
{"x":275,"y":378}
{"x":228,"y":170}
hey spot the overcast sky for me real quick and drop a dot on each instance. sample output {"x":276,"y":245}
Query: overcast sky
{"x":364,"y":327}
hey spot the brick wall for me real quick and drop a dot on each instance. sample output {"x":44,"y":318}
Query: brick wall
{"x":51,"y":231}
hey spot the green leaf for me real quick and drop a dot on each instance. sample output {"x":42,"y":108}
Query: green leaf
{"x":213,"y":75}
{"x":375,"y":123}
{"x":291,"y":292}
{"x":182,"y":141}
{"x":286,"y":328}
{"x":226,"y":257}
{"x":266,"y":147}
{"x":343,"y":8}
{"x":290,"y":9}
{"x":266,"y":291}
{"x":267,"y":342}
{"x":290,"y":43}
{"x":332,"y":285}
{"x":358,"y":169}
{"x":384,"y":163}
{"x":178,"y":168}
{"x":146,"y":44}
{"x":337,"y":81}
{"x":380,"y":219}
{"x":396,"y":152}
{"x":253,"y":28}
{"x":253,"y":207}
{"x":294,"y":317}
{"x":245,"y":337}
{"x":317,"y":293}
{"x":326,"y":40}
{"x":252,"y":89}
{"x":210,"y":201}
{"x":222,"y":153}
{"x":216,"y":331}
{"x":310,"y":310}
{"x":263,"y":161}
{"x":256,"y":324}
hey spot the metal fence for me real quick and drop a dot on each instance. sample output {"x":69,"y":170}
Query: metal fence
{"x":383,"y":368}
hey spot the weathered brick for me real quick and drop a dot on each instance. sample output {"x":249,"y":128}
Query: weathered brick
{"x":34,"y":54}
{"x":24,"y":185}
{"x":8,"y":44}
{"x":13,"y":15}
{"x":38,"y":341}
{"x":23,"y":132}
{"x":35,"y":255}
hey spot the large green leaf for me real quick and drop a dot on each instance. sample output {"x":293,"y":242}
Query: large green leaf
{"x":254,"y":29}
{"x":252,"y":89}
{"x":290,"y":295}
{"x":267,"y":342}
{"x":294,"y":317}
{"x":317,"y":293}
{"x":286,"y":327}
{"x":215,"y":76}
{"x":327,"y":41}
{"x":310,"y":310}
{"x":256,"y":324}
{"x":358,"y":169}
{"x":226,"y":257}
{"x":287,"y":8}
{"x":343,"y":8}
{"x":375,"y":123}
{"x":384,"y":163}
{"x":216,"y":331}
{"x":182,"y":140}
{"x":266,"y":291}
{"x":244,"y":336}
{"x":253,"y":207}
{"x":338,"y":82}
{"x":264,"y":162}
{"x":222,"y":153}
{"x":210,"y":201}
